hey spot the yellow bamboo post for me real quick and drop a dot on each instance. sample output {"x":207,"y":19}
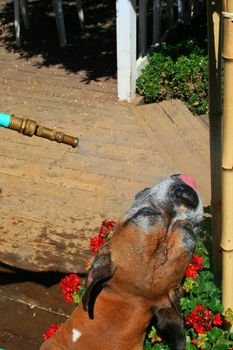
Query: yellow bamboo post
{"x":214,"y":10}
{"x":227,"y":158}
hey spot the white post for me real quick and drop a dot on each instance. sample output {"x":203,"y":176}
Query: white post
{"x":126,"y":48}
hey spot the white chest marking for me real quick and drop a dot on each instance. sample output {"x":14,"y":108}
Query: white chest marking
{"x":75,"y":335}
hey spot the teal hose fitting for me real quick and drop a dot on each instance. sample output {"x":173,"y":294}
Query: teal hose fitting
{"x":5,"y":120}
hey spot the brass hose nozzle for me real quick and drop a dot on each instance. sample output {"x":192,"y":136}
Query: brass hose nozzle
{"x":29,"y":127}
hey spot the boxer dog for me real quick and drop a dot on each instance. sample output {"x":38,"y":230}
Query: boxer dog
{"x":137,"y":275}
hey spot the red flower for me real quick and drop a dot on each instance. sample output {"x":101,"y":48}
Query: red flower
{"x":199,"y":308}
{"x":191,"y":272}
{"x":96,"y":243}
{"x":106,"y":227}
{"x":197,"y":261}
{"x":200,"y":319}
{"x":217,"y":321}
{"x":52,"y":329}
{"x":104,"y":232}
{"x":69,"y":285}
{"x":195,"y":265}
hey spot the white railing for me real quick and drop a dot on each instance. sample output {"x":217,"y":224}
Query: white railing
{"x":133,"y":14}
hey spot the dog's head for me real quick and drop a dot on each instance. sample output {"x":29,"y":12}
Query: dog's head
{"x":152,"y":244}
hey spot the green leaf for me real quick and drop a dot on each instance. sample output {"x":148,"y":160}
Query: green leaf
{"x":176,"y":71}
{"x":215,"y":334}
{"x":221,"y":347}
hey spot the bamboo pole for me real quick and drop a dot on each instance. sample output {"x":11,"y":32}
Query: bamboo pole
{"x":227,"y":158}
{"x":215,"y":121}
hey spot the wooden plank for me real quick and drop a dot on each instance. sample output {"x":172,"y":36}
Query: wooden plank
{"x":41,"y":246}
{"x":36,"y":290}
{"x":193,"y":120}
{"x":182,"y":152}
{"x":189,"y":127}
{"x":24,"y":334}
{"x":58,"y":176}
{"x":27,"y":82}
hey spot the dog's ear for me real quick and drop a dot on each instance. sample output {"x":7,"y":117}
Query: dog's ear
{"x":101,"y":270}
{"x":142,"y":194}
{"x":169,"y":323}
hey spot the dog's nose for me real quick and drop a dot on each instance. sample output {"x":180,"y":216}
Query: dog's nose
{"x":189,"y":180}
{"x":184,"y":194}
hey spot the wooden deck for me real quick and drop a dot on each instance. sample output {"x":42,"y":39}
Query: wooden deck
{"x":54,"y":197}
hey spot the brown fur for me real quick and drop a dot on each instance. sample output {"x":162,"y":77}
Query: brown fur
{"x":144,"y":279}
{"x":136,"y":276}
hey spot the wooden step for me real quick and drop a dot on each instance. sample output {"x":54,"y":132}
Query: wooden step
{"x":175,"y":143}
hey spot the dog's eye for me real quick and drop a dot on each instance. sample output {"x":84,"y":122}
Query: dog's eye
{"x":147,"y":211}
{"x":145,"y":217}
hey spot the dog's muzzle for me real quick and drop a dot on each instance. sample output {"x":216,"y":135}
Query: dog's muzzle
{"x":176,"y":196}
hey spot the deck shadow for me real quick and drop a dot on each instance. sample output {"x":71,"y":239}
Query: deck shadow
{"x":92,"y":49}
{"x":12,"y":275}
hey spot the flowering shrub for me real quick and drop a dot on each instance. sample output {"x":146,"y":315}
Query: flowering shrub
{"x":206,"y":326}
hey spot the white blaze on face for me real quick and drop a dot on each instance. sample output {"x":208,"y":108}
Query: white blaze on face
{"x":75,"y":335}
